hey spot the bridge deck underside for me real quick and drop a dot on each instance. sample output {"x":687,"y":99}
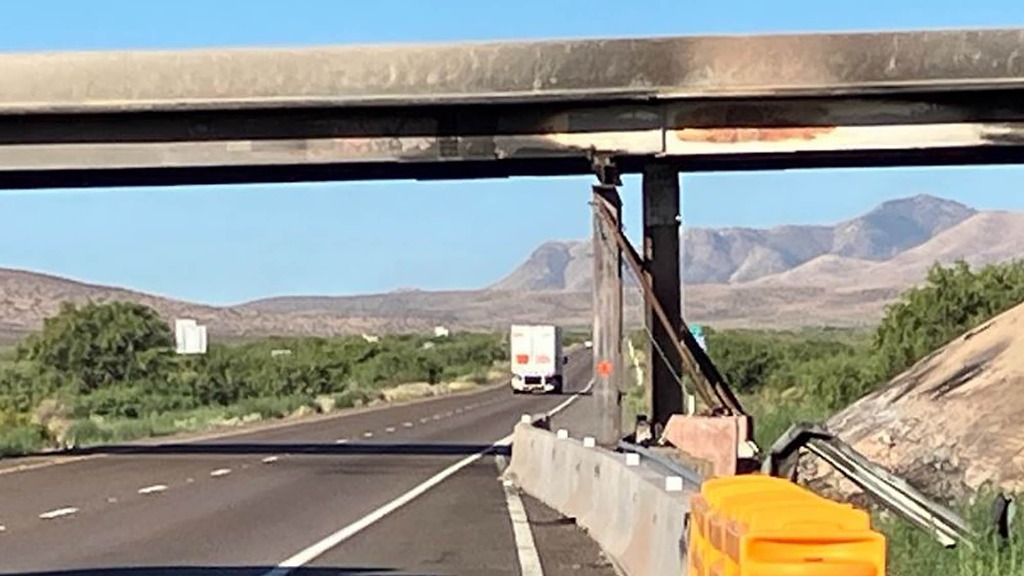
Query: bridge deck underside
{"x":474,"y":141}
{"x":511,"y":108}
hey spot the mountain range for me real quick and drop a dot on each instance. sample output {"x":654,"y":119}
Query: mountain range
{"x":840,"y":274}
{"x":740,"y":255}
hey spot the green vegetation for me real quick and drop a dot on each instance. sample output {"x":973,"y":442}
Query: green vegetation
{"x":108,"y":372}
{"x":786,"y":377}
{"x":914,"y":553}
{"x":808,"y":375}
{"x":574,"y":337}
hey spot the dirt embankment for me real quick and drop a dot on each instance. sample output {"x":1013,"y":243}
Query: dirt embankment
{"x":950,"y":425}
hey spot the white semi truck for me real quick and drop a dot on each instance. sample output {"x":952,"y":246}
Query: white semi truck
{"x":537,"y":360}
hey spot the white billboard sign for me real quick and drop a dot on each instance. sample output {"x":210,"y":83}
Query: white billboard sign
{"x":189,"y":337}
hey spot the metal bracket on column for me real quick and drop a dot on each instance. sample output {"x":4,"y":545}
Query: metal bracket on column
{"x":607,"y":172}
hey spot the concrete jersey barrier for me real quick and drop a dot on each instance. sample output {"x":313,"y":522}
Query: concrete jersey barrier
{"x":626,"y":509}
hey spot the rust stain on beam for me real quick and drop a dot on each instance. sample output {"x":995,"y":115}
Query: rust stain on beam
{"x":847,"y":139}
{"x":735,"y":135}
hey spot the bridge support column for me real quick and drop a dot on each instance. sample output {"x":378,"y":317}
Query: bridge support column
{"x":608,"y":368}
{"x":661,"y":201}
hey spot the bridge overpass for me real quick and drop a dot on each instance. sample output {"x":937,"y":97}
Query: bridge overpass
{"x":655,"y":106}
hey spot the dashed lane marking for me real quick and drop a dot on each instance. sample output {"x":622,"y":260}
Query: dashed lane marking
{"x":58,"y":513}
{"x":220,"y":472}
{"x":154,"y":489}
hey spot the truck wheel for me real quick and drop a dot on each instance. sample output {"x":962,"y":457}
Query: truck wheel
{"x":558,"y":387}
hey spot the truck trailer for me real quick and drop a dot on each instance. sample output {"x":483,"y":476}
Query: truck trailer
{"x":536,"y":358}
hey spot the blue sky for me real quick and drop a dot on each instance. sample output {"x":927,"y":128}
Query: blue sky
{"x":229,"y":244}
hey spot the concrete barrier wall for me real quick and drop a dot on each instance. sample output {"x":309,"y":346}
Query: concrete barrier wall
{"x":626,"y":509}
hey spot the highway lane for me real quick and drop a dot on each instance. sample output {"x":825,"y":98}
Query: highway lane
{"x":251,"y":501}
{"x":475,"y":547}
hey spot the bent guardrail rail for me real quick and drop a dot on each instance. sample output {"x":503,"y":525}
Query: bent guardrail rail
{"x":892,"y":492}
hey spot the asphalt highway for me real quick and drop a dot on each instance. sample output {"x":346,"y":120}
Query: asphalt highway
{"x":405,"y":489}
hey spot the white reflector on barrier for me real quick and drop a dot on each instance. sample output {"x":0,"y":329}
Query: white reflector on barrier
{"x":673,"y":484}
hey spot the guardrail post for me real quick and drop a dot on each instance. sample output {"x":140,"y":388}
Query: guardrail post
{"x":661,"y":200}
{"x":607,"y":317}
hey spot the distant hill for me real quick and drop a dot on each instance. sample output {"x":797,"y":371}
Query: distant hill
{"x":842,"y":274}
{"x":736,"y":255}
{"x":984,"y":238}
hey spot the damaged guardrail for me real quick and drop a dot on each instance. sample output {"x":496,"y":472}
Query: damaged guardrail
{"x":894,"y":493}
{"x":637,"y":514}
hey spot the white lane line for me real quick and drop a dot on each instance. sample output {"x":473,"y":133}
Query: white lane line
{"x":341,"y":441}
{"x":526,"y":547}
{"x":424,"y":420}
{"x":220,"y":472}
{"x":436,"y":416}
{"x":309,"y":554}
{"x":390,"y":429}
{"x":315,"y":550}
{"x":269,"y":460}
{"x":152,"y":489}
{"x":569,"y":401}
{"x":406,"y":424}
{"x":367,"y":434}
{"x":458,"y":410}
{"x":58,"y":513}
{"x":3,"y":528}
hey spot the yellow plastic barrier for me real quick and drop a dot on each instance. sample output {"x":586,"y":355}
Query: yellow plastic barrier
{"x":702,"y":553}
{"x":735,"y":508}
{"x":761,"y":526}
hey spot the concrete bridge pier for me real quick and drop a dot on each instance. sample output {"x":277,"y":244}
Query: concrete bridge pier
{"x":661,"y":220}
{"x":660,"y":256}
{"x":608,"y":366}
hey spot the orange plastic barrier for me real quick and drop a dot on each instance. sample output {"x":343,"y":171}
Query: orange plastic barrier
{"x":757,"y":525}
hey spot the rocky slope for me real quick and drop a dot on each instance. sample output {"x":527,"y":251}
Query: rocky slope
{"x":950,"y":424}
